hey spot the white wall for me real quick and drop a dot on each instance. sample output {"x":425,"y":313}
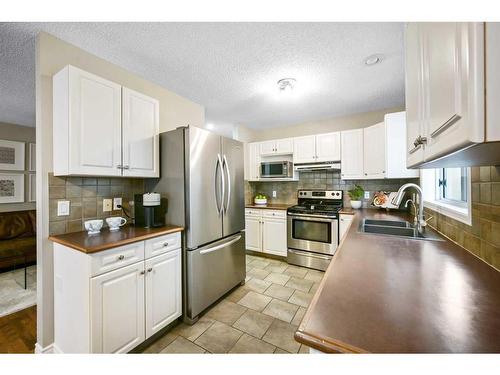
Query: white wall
{"x":52,"y":55}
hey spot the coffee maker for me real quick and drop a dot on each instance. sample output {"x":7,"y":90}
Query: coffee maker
{"x":149,"y":209}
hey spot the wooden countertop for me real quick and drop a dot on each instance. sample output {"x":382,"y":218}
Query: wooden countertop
{"x":270,"y":206}
{"x":385,"y":294}
{"x":86,"y":243}
{"x":347,"y":211}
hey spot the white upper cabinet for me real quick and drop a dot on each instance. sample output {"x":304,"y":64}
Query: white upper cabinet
{"x":141,"y":126}
{"x":276,"y":147}
{"x":99,"y":130}
{"x":305,"y":149}
{"x":328,"y":147}
{"x":317,"y":148}
{"x":374,"y":158}
{"x":352,"y":154}
{"x":253,"y":162}
{"x":87,"y":124}
{"x":444,"y":88}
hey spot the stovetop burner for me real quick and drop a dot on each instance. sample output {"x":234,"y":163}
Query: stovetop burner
{"x":318,"y":202}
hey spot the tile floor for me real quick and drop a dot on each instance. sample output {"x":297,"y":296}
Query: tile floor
{"x":259,"y":317}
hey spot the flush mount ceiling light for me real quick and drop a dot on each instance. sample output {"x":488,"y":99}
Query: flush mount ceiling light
{"x":286,"y":85}
{"x":373,"y":59}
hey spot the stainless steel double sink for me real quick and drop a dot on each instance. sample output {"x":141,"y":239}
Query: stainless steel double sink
{"x":396,"y":228}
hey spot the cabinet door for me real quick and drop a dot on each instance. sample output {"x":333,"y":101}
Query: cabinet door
{"x":304,"y":149}
{"x":344,"y":224}
{"x":163,"y":291}
{"x":253,"y":161}
{"x":94,"y":131}
{"x":267,"y":147}
{"x":352,"y":154}
{"x":141,"y":126}
{"x":328,"y":147}
{"x":274,"y":239}
{"x":117,"y":305}
{"x":253,"y":235}
{"x":284,"y":146}
{"x":453,"y":68}
{"x":374,"y":151}
{"x":414,"y":94}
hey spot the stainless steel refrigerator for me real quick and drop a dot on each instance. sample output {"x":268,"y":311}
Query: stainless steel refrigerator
{"x":201,"y":175}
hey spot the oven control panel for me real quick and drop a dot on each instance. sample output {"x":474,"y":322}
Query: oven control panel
{"x":320,"y":194}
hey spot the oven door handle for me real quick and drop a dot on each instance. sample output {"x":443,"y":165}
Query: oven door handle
{"x":310,"y":254}
{"x":313,"y":218}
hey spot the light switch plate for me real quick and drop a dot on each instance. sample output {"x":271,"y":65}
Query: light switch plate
{"x":117,"y":202}
{"x":62,"y":208}
{"x":367,"y":195}
{"x":107,"y":205}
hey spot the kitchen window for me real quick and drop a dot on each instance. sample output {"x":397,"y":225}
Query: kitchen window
{"x":448,"y":191}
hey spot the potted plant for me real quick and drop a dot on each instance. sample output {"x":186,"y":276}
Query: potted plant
{"x":260,"y":199}
{"x":356,"y":195}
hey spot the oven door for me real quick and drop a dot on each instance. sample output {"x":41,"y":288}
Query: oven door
{"x":317,"y":234}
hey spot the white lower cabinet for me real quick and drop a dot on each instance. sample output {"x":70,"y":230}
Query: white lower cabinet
{"x":115,"y":311}
{"x":117,"y":303}
{"x":163,"y":291}
{"x":266,"y":231}
{"x":344,"y":224}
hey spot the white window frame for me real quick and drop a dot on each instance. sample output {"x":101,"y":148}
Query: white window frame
{"x":429,"y":182}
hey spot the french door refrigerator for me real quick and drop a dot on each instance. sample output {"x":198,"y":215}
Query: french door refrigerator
{"x":201,"y":175}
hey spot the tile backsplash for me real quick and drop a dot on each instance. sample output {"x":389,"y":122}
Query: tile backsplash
{"x":482,"y":238}
{"x":286,"y":191}
{"x":85,"y":195}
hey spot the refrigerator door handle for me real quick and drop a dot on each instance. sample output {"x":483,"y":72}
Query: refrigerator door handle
{"x":218,"y":166}
{"x":218,"y":247}
{"x":225,"y":165}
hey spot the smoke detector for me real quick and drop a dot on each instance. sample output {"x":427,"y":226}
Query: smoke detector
{"x":373,"y":59}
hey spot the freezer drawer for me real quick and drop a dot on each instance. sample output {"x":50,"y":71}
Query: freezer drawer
{"x":212,"y":271}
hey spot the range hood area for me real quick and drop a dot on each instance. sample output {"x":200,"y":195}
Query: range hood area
{"x":307,"y":167}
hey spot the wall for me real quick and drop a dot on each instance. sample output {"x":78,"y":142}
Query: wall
{"x":325,"y":180}
{"x":53,"y":54}
{"x":359,"y":120}
{"x":25,"y":134}
{"x":482,"y":238}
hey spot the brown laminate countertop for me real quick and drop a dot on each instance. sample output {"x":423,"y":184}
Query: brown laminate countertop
{"x":347,"y":211}
{"x":105,"y":240}
{"x":386,"y":294}
{"x":270,"y":206}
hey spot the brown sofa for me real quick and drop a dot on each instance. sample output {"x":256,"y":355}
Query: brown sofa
{"x":17,"y":236}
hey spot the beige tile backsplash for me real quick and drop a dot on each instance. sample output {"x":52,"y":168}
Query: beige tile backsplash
{"x":85,"y":195}
{"x":482,"y":238}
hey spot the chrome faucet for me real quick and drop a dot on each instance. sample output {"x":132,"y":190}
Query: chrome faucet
{"x":421,"y":223}
{"x":415,"y":219}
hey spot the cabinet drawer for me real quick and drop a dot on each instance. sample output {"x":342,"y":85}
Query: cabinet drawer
{"x":163,"y":244}
{"x":116,"y":258}
{"x":274,"y":213}
{"x":253,"y":212}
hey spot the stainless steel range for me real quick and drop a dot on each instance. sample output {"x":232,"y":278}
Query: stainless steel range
{"x":313,"y":228}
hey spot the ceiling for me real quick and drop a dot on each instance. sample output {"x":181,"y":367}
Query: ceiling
{"x":230,"y":68}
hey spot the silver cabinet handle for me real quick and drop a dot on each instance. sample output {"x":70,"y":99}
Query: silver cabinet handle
{"x":119,"y":166}
{"x":150,"y":269}
{"x":420,"y":141}
{"x":446,"y":125}
{"x":126,"y":167}
{"x":121,"y":257}
{"x":142,"y":272}
{"x":165,"y":244}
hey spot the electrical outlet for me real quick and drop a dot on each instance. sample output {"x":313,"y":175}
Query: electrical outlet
{"x":274,"y":193}
{"x":107,"y":205}
{"x":367,"y":195}
{"x":117,"y":202}
{"x":62,"y":208}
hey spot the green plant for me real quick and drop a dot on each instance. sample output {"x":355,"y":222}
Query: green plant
{"x":357,"y":193}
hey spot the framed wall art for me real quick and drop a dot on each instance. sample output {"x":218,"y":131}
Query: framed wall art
{"x":32,"y":157}
{"x":12,"y":155}
{"x":32,"y":188}
{"x":11,"y":188}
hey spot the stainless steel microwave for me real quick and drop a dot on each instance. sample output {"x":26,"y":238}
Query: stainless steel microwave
{"x":276,"y":169}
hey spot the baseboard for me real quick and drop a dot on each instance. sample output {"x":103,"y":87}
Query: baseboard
{"x":49,"y":349}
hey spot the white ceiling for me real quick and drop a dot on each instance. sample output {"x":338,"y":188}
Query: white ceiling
{"x":230,"y":68}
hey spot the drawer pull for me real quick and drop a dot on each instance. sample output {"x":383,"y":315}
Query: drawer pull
{"x":142,"y":272}
{"x":150,"y":269}
{"x":165,"y":244}
{"x":121,"y":257}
